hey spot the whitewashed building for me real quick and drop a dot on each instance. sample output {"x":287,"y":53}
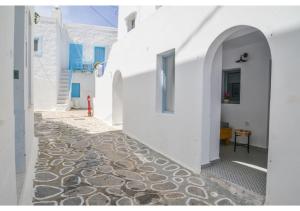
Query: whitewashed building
{"x":18,"y":146}
{"x":176,"y":73}
{"x":64,"y":59}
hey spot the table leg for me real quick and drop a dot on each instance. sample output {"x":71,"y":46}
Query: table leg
{"x":248,"y":143}
{"x":234,"y":142}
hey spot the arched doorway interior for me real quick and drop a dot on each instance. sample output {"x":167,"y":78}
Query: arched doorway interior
{"x":237,"y":80}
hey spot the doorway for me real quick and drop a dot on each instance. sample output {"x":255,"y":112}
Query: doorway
{"x":238,"y":71}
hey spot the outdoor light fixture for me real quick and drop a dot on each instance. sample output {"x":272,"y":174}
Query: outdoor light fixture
{"x":243,"y":58}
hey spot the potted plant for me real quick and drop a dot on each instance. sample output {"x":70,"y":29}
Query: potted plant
{"x":226,"y":97}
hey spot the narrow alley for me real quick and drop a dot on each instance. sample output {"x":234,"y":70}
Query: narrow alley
{"x":83,"y":161}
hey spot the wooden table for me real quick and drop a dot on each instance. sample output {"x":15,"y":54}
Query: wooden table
{"x":242,"y":133}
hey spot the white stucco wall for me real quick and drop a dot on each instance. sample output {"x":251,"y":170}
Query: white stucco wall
{"x":142,"y":13}
{"x":8,"y":194}
{"x":87,"y":87}
{"x":183,"y":136}
{"x":46,"y":66}
{"x":254,"y":98}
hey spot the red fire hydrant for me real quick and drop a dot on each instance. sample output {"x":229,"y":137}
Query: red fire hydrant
{"x":89,"y":106}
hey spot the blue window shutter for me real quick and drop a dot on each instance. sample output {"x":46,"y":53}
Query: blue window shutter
{"x":75,"y":90}
{"x":99,"y":54}
{"x":75,"y":57}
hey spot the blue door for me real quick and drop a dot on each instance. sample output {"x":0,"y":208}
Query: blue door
{"x":99,"y":54}
{"x":75,"y":90}
{"x":75,"y":57}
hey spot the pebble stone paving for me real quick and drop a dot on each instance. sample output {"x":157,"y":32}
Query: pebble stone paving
{"x":83,"y":161}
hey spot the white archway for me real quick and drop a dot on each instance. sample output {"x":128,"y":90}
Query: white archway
{"x":212,"y":93}
{"x":117,"y":99}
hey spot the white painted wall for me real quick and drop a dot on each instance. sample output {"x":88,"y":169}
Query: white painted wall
{"x":19,"y":106}
{"x":184,"y":135}
{"x":142,"y":13}
{"x":46,"y":67}
{"x":254,"y":98}
{"x":117,"y":101}
{"x":87,"y":87}
{"x":23,"y":108}
{"x":8,"y":195}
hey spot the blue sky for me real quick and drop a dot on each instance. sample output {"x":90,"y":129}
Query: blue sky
{"x":94,"y":15}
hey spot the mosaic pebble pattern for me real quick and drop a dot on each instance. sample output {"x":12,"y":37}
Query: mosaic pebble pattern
{"x":82,"y":161}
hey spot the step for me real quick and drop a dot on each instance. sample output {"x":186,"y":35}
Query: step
{"x":62,"y":107}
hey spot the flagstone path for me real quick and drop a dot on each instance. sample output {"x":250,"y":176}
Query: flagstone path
{"x":83,"y":161}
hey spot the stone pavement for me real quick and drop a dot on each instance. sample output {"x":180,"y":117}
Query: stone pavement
{"x":83,"y":161}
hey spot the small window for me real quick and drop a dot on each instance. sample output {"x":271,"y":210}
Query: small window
{"x":231,"y":86}
{"x":166,"y":72}
{"x":37,"y":46}
{"x":131,"y":21}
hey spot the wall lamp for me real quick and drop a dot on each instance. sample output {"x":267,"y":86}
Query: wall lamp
{"x":243,"y":58}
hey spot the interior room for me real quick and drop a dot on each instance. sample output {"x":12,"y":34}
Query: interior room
{"x":244,"y":112}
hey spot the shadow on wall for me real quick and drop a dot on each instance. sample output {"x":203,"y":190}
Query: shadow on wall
{"x":163,"y":132}
{"x":198,"y":29}
{"x":117,"y":99}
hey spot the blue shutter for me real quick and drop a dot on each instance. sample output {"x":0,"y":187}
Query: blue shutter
{"x":75,"y":57}
{"x":75,"y":90}
{"x":99,"y":54}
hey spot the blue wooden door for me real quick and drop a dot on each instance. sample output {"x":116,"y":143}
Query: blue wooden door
{"x":99,"y":54}
{"x":75,"y":57}
{"x":75,"y":90}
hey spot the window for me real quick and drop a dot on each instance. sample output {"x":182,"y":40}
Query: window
{"x":166,"y":73}
{"x":75,"y":90}
{"x":231,"y":86}
{"x":37,"y":46}
{"x":99,"y":55}
{"x":130,"y":21}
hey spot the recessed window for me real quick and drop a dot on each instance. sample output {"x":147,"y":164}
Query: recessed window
{"x":166,"y":73}
{"x":131,"y":21}
{"x":231,"y":86}
{"x":37,"y":46}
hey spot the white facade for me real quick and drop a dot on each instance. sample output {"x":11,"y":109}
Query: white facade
{"x":54,"y":57}
{"x":16,"y":115}
{"x":196,"y":35}
{"x":46,"y":65}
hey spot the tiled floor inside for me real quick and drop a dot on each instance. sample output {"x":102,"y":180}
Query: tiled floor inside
{"x":83,"y":161}
{"x":241,"y":168}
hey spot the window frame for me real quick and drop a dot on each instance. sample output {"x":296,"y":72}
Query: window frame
{"x":129,"y":19}
{"x":225,"y":74}
{"x":39,"y":51}
{"x":165,"y":99}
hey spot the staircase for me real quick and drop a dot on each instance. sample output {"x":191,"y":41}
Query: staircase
{"x":63,"y":96}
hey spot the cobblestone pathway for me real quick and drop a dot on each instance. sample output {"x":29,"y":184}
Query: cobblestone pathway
{"x":82,"y":161}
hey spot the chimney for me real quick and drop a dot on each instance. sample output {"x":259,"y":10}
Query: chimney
{"x":56,"y":13}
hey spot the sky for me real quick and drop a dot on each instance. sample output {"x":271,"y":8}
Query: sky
{"x":93,"y":15}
